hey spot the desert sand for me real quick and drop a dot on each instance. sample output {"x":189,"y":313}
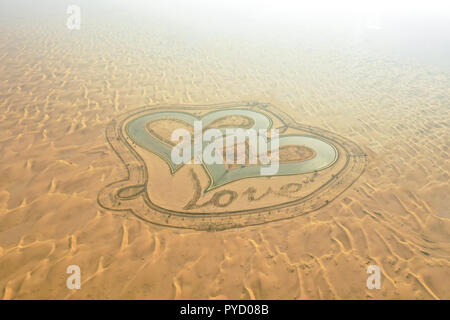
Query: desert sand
{"x":60,"y":88}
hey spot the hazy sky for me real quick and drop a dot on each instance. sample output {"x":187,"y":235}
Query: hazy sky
{"x":416,"y":29}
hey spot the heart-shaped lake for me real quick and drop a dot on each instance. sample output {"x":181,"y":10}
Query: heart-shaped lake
{"x":315,"y":166}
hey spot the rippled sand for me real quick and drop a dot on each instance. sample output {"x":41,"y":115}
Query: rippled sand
{"x":60,"y":88}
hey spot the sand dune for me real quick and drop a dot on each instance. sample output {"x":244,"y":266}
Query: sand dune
{"x":59,"y":89}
